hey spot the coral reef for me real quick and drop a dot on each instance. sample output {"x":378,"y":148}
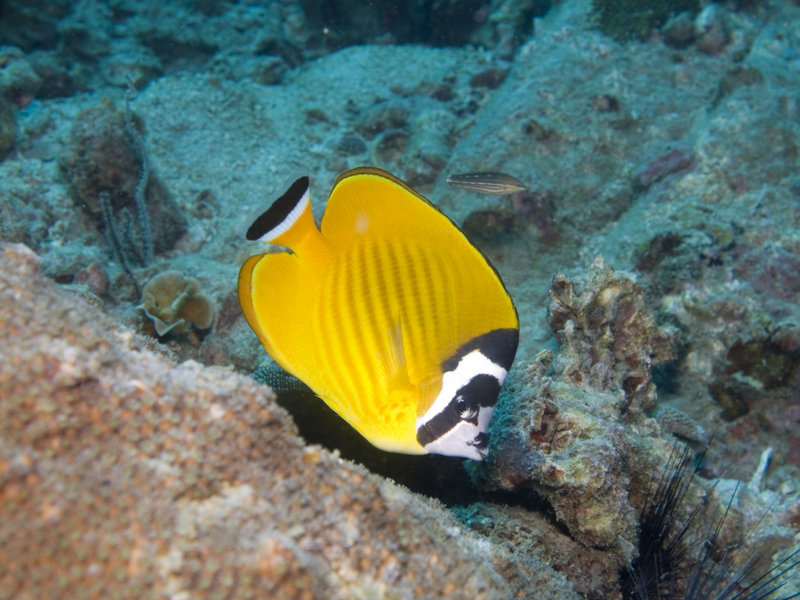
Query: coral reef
{"x":123,"y":474}
{"x":234,"y":41}
{"x":579,"y":439}
{"x":19,"y":82}
{"x":741,"y":358}
{"x":573,"y":435}
{"x":174,"y":304}
{"x":675,"y":159}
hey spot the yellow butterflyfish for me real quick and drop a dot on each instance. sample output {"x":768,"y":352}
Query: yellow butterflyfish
{"x":386,"y":311}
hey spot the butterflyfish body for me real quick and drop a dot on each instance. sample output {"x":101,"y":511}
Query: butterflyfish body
{"x":387,"y":312}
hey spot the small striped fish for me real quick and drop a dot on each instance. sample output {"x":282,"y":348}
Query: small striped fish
{"x":487,"y":182}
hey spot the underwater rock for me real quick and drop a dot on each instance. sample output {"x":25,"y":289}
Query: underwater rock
{"x":389,"y":148}
{"x":268,"y":70}
{"x":32,"y":24}
{"x":734,"y":78}
{"x":604,"y":103}
{"x":86,"y":32}
{"x":678,"y":31}
{"x":411,"y":138}
{"x":738,"y":360}
{"x":531,"y":212}
{"x":95,"y":278}
{"x":125,"y":474}
{"x":58,"y":77}
{"x":679,"y":423}
{"x":18,"y":80}
{"x":131,"y":65}
{"x":568,"y":447}
{"x":529,"y":532}
{"x":100,"y":158}
{"x":670,"y":162}
{"x":669,"y":260}
{"x":607,"y":335}
{"x":626,"y":20}
{"x":8,"y":127}
{"x":504,"y":24}
{"x":490,"y":78}
{"x":536,"y":210}
{"x":383,"y":116}
{"x":429,"y":145}
{"x":350,"y":145}
{"x":490,"y":224}
{"x":569,"y":435}
{"x":710,"y":30}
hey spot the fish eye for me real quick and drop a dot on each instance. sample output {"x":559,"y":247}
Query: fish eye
{"x":465,"y":410}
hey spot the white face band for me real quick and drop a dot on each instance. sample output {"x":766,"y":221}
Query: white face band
{"x":457,"y":422}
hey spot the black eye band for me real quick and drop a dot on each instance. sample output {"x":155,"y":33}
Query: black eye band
{"x":482,"y":390}
{"x":498,"y":345}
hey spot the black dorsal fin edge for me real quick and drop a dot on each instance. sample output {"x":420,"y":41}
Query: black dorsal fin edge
{"x":282,"y":215}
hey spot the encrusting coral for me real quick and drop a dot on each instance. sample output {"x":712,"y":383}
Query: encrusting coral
{"x":124,"y":475}
{"x":608,"y":337}
{"x":174,"y":304}
{"x":577,"y":434}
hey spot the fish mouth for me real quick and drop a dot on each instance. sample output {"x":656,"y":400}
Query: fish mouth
{"x":481,"y":444}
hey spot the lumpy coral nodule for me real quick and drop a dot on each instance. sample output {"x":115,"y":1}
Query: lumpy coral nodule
{"x":607,"y":333}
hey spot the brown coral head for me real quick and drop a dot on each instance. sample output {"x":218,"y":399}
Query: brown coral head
{"x":174,"y":303}
{"x":197,"y":310}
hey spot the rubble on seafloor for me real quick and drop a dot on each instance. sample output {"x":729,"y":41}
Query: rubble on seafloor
{"x":125,"y":475}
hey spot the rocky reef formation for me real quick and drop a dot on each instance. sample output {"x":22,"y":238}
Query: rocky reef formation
{"x":584,"y":439}
{"x":574,"y":437}
{"x":673,"y":155}
{"x":125,"y":475}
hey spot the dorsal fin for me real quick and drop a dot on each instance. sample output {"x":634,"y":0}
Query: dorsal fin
{"x":279,"y":218}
